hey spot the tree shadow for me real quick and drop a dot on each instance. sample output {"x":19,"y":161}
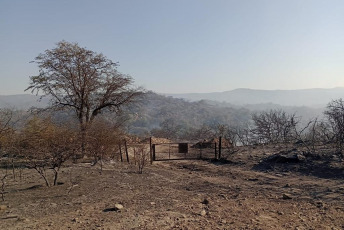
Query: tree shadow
{"x":31,"y":187}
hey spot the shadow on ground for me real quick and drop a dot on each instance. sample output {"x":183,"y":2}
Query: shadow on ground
{"x":322,"y":167}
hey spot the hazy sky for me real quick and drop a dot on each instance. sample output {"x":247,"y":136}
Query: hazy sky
{"x":179,"y":46}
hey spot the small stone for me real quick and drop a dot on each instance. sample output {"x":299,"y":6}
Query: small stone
{"x":203,"y":212}
{"x":152,"y":203}
{"x":119,"y":206}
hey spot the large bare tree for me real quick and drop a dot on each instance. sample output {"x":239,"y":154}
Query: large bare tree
{"x":85,"y":81}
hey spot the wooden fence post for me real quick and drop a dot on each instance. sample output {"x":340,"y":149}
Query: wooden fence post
{"x":220,"y":146}
{"x":215,"y":151}
{"x":135,"y":160}
{"x":126,"y":150}
{"x":153,"y":147}
{"x":150,"y":150}
{"x":120,"y":151}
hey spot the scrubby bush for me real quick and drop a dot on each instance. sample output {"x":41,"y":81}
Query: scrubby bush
{"x":46,"y":145}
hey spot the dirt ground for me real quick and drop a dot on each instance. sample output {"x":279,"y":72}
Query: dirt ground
{"x":243,"y":193}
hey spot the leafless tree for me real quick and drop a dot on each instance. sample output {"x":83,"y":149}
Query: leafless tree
{"x":313,"y":134}
{"x":275,"y":126}
{"x":244,"y":135}
{"x":306,"y":135}
{"x":335,"y":116}
{"x":82,"y":80}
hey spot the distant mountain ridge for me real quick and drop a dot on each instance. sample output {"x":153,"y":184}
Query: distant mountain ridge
{"x":22,"y":101}
{"x":317,"y":97}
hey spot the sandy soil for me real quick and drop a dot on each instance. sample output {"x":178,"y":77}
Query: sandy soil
{"x":244,"y":193}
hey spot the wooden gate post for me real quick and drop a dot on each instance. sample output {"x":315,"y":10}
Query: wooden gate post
{"x":126,"y":150}
{"x":150,"y":150}
{"x":153,"y":147}
{"x":215,"y":151}
{"x":120,"y":151}
{"x":220,"y":146}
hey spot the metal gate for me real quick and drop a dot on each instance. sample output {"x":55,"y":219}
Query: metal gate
{"x":181,"y":151}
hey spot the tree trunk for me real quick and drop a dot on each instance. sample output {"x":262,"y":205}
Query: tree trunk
{"x":83,"y":131}
{"x":55,"y":175}
{"x":41,"y":172}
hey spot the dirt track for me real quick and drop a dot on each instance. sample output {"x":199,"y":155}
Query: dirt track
{"x":181,"y":195}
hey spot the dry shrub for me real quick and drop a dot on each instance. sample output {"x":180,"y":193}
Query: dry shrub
{"x":46,"y":145}
{"x":102,"y":141}
{"x":141,"y":156}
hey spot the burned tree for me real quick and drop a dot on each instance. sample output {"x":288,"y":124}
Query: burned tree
{"x":275,"y":126}
{"x":82,"y":80}
{"x":335,"y":116}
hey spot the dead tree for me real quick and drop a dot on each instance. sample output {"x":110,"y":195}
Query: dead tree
{"x":335,"y":116}
{"x":274,"y":126}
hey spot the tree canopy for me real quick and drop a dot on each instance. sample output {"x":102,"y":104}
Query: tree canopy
{"x":83,"y":80}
